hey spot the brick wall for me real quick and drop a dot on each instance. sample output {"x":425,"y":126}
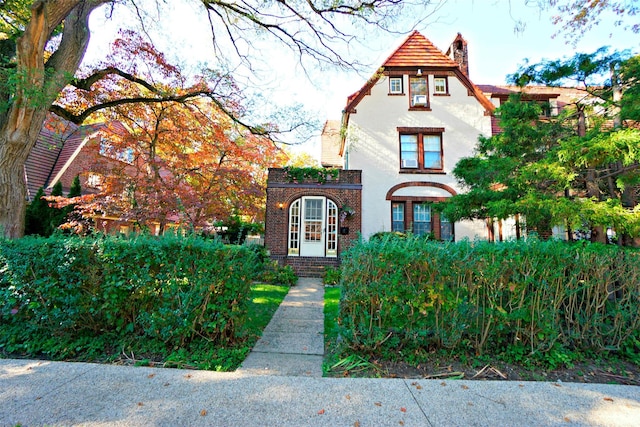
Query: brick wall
{"x":346,"y":189}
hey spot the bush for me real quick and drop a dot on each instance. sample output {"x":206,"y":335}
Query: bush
{"x":538,"y":298}
{"x":275,"y":274}
{"x":62,"y":295}
{"x":331,"y":276}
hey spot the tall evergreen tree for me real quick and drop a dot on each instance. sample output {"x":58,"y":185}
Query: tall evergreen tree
{"x":559,"y":171}
{"x":37,"y":215}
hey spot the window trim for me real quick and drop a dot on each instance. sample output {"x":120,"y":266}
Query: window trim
{"x":408,"y":204}
{"x":401,"y":79}
{"x":446,"y":86}
{"x":427,"y":105}
{"x":421,"y":132}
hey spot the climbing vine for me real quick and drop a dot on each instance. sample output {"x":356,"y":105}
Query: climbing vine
{"x":319,"y":175}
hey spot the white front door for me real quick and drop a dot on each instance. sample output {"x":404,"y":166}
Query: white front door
{"x":312,"y":242}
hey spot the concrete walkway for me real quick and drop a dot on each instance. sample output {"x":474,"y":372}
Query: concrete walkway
{"x":292,"y":344}
{"x":38,"y":393}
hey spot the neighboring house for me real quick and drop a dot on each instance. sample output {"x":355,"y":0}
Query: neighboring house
{"x":63,"y":151}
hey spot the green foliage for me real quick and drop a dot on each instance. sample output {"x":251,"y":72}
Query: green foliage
{"x":553,"y":170}
{"x":37,"y":215}
{"x":544,"y":301}
{"x":41,"y":218}
{"x":310,"y":174}
{"x":276,"y":274}
{"x":75,"y":190}
{"x":67,"y":297}
{"x":234,"y":230}
{"x":331,"y":276}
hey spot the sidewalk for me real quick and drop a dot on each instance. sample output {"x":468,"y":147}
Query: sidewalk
{"x":292,"y":344}
{"x":36,"y":393}
{"x":280,"y":384}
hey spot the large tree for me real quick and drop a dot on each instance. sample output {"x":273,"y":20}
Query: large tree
{"x":32,"y":76}
{"x":580,"y":169}
{"x":187,"y":162}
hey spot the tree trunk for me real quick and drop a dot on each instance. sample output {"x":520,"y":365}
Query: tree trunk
{"x":21,"y":124}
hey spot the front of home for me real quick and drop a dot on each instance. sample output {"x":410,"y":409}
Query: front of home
{"x":403,"y":133}
{"x":406,"y":130}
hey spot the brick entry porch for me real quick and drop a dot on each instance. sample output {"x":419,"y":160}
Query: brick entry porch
{"x":305,"y":225}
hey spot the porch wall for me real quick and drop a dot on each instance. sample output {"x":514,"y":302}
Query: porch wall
{"x":346,"y":189}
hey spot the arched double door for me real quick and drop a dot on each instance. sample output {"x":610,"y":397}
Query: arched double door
{"x":313,"y":227}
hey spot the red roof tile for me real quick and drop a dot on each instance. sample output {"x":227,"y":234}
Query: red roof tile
{"x":418,"y":51}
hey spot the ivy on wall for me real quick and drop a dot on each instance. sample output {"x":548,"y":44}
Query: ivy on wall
{"x":319,"y":175}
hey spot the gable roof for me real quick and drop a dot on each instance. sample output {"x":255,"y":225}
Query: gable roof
{"x":56,"y":147}
{"x":418,"y":52}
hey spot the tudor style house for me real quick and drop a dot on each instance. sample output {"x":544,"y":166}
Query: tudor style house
{"x":399,"y":139}
{"x":406,"y":129}
{"x":64,"y":150}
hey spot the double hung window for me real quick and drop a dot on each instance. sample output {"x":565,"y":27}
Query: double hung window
{"x":440,"y":86}
{"x":421,"y":151}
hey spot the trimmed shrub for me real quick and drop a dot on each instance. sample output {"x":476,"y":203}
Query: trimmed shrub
{"x":537,"y":298}
{"x":169,"y":291}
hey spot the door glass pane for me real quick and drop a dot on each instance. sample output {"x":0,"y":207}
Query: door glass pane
{"x":332,"y":228}
{"x":313,"y":220}
{"x":294,"y":228}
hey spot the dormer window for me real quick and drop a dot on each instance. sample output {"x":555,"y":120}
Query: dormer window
{"x":440,"y":86}
{"x":418,"y":92}
{"x":395,"y":86}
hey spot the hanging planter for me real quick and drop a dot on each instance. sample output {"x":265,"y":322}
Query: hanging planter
{"x":346,"y":212}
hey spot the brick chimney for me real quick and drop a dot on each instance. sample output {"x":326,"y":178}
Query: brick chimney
{"x":458,"y":52}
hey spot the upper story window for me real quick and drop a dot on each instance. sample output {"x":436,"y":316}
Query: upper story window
{"x":440,"y":86}
{"x":418,"y":95}
{"x":395,"y":86}
{"x":94,"y":180}
{"x":108,"y":150}
{"x":421,"y":149}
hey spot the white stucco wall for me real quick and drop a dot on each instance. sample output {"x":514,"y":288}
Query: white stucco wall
{"x":373,"y":147}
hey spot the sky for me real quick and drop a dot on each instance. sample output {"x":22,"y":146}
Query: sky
{"x":495,"y":49}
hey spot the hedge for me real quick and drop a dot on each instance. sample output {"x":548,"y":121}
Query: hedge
{"x":488,"y":297}
{"x":169,"y":291}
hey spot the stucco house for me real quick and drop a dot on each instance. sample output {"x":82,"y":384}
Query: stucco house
{"x":401,"y":134}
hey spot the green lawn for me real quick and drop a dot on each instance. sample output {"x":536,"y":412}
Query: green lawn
{"x":265,"y":300}
{"x":331,"y":310}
